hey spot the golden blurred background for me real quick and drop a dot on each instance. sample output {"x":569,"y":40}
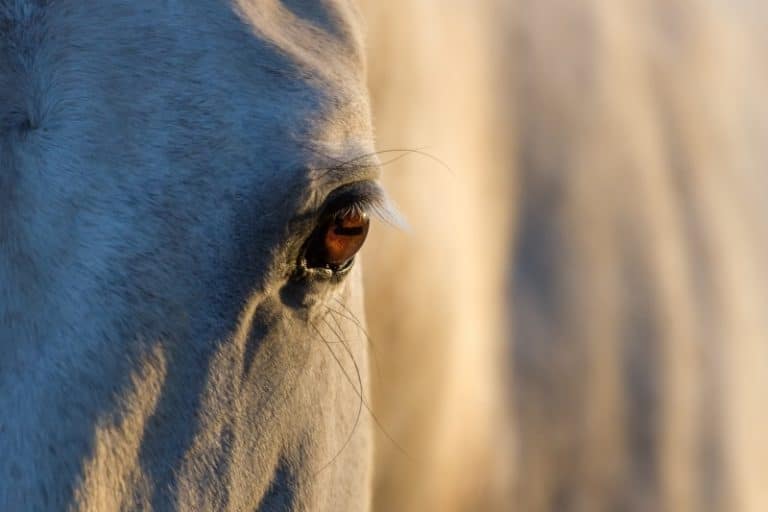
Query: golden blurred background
{"x":577,"y":318}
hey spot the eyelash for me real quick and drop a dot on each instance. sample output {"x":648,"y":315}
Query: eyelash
{"x":368,"y":201}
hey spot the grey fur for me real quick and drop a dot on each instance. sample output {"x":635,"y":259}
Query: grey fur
{"x":156,"y":165}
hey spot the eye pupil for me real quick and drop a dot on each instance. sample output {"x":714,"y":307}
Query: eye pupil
{"x":344,"y":237}
{"x":339,"y":230}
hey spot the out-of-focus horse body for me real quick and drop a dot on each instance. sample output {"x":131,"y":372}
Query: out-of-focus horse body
{"x":627,"y":140}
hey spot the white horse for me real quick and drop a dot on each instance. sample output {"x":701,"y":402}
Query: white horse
{"x":184,"y":187}
{"x":628,"y":139}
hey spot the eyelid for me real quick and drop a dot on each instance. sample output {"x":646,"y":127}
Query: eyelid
{"x":364,"y":197}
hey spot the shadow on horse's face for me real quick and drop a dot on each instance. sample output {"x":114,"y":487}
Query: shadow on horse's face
{"x":168,"y":343}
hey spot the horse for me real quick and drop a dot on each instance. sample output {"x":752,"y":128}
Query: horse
{"x":583,"y":327}
{"x":184,"y":188}
{"x":574,"y":322}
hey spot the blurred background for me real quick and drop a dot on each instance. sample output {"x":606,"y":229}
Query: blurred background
{"x":577,"y":319}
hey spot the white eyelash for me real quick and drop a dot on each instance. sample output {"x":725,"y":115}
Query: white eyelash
{"x":379,"y":206}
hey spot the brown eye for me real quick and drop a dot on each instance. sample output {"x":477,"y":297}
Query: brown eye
{"x":344,"y":237}
{"x":337,"y":241}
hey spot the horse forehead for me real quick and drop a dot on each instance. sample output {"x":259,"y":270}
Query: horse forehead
{"x":297,"y":26}
{"x":292,"y":69}
{"x":136,"y":112}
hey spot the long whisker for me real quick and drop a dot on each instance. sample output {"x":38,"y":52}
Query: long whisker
{"x":364,"y":159}
{"x":360,"y":404}
{"x":352,"y":318}
{"x":383,"y":429}
{"x":358,"y":391}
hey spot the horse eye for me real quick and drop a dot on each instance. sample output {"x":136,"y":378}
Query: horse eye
{"x":336,"y":242}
